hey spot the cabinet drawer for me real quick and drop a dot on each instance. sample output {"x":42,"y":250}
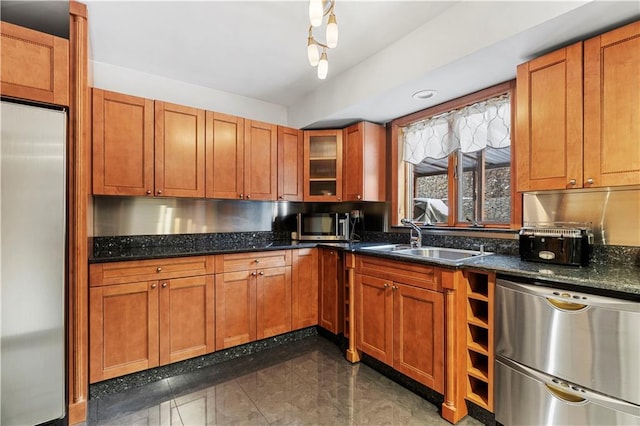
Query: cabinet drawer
{"x":255,"y":260}
{"x":408,"y":273}
{"x":146,"y":270}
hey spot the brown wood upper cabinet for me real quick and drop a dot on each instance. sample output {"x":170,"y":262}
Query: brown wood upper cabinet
{"x":34,"y":65}
{"x":225,"y":156}
{"x":179,"y":150}
{"x":122,"y":144}
{"x":241,"y":158}
{"x":612,"y":108}
{"x":552,"y":152}
{"x":290,"y":164}
{"x":323,"y":165}
{"x":149,"y":313}
{"x":142,"y":147}
{"x":260,"y":160}
{"x":363,"y":161}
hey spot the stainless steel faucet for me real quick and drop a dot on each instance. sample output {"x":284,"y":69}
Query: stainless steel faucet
{"x":416,"y":240}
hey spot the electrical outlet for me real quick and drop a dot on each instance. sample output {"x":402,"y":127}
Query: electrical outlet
{"x":356,"y":214}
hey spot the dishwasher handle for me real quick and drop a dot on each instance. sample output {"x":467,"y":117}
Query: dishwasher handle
{"x":571,"y":301}
{"x":566,"y":306}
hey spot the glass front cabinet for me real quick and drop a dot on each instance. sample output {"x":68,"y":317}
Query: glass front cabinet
{"x":323,"y":165}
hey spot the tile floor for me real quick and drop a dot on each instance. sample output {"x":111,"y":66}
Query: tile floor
{"x":301,"y":383}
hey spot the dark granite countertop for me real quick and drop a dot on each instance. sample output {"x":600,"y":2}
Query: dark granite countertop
{"x":161,"y":252}
{"x":613,"y":278}
{"x":607,"y":278}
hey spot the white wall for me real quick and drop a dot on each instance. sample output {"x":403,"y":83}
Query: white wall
{"x":420,"y":54}
{"x":131,"y":82}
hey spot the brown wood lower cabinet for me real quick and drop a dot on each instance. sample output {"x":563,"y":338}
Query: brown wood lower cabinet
{"x":186,"y":318}
{"x":252,"y":303}
{"x":330,"y":292}
{"x":123,"y":329}
{"x":147,"y":313}
{"x":304,"y":288}
{"x":399,"y":322}
{"x":158,"y":320}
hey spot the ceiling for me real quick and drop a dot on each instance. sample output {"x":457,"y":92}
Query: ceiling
{"x":387,"y":49}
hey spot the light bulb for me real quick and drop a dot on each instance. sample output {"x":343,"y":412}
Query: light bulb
{"x":332,"y":32}
{"x":323,"y":66}
{"x":316,"y":12}
{"x":312,"y":52}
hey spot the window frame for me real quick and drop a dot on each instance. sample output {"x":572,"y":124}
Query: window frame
{"x":399,"y":171}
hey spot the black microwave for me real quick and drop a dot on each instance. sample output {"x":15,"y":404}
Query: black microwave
{"x":322,"y":227}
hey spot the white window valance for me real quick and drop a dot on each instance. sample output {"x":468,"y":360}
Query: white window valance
{"x":468,"y":129}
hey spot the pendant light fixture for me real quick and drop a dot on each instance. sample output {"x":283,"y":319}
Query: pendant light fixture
{"x":318,"y":9}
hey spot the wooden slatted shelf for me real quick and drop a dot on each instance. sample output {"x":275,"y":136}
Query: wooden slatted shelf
{"x":480,"y":356}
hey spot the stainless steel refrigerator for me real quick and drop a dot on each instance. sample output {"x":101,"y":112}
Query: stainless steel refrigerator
{"x":32,"y":264}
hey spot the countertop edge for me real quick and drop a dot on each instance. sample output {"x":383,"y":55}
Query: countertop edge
{"x":624,"y":279}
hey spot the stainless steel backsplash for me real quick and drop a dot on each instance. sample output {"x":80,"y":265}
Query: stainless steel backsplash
{"x":614,"y":214}
{"x":120,"y":216}
{"x":161,"y":216}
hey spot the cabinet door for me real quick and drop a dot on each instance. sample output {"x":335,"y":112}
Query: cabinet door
{"x":179,"y":150}
{"x":35,"y":66}
{"x":273,"y":301}
{"x":374,"y":317}
{"x":418,"y":335}
{"x":364,"y":162}
{"x":290,"y":161}
{"x":235,"y":308}
{"x":612,"y":108}
{"x":186,"y":318}
{"x":225,"y":156}
{"x":122,"y":144}
{"x":304,"y":288}
{"x":328,"y":317}
{"x":260,"y":160}
{"x":549,"y":121}
{"x":123,"y":329}
{"x":323,"y":165}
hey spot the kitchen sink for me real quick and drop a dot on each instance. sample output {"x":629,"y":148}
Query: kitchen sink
{"x":445,"y":255}
{"x":442,"y":253}
{"x":388,"y":247}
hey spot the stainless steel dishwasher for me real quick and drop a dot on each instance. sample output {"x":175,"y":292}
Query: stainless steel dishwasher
{"x":565,"y":357}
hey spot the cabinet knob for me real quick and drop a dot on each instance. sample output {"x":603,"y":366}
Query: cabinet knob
{"x":158,"y":269}
{"x":339,"y":199}
{"x":257,"y":261}
{"x":253,"y":274}
{"x":164,"y":285}
{"x":394,"y":288}
{"x":241,"y":195}
{"x":572,"y":182}
{"x":590,"y":181}
{"x":386,"y":285}
{"x":154,"y":285}
{"x":261,"y":273}
{"x":159,"y":192}
{"x":359,"y":197}
{"x":281,"y":197}
{"x":248,"y":197}
{"x":148,"y":192}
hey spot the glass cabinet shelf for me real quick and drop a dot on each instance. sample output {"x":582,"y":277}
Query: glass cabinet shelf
{"x":323,"y":165}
